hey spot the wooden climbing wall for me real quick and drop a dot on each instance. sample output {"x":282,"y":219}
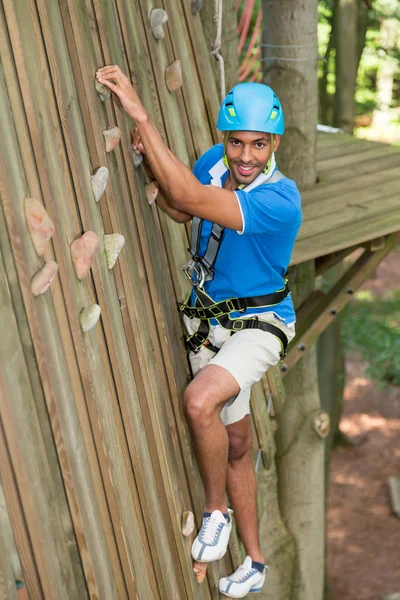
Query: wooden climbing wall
{"x":95,"y":462}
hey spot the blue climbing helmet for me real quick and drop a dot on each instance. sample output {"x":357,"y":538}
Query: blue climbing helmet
{"x":251,"y":107}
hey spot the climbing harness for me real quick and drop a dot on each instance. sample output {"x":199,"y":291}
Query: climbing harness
{"x":200,"y":269}
{"x":206,"y":309}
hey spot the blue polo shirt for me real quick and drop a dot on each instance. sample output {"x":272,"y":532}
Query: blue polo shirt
{"x":252,"y":262}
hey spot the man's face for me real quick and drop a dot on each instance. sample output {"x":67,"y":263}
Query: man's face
{"x":248,"y":153}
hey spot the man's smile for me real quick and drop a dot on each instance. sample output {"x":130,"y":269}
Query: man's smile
{"x":246,"y":170}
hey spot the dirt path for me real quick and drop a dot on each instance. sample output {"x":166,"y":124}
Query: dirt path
{"x":363,"y":534}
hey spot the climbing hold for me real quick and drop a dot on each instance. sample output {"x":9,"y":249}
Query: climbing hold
{"x":83,"y":252}
{"x":43,"y":278}
{"x":113,"y":244}
{"x":39,"y":223}
{"x":99,"y":182}
{"x":173,"y":76}
{"x":321,"y":424}
{"x":89,"y":316}
{"x":151,"y":191}
{"x":137,"y":158}
{"x":196,"y":6}
{"x":200,"y":570}
{"x":103,"y":91}
{"x":157,"y":19}
{"x":112,"y":137}
{"x":187,"y":523}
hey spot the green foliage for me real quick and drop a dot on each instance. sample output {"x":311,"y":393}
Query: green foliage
{"x":380,"y":46}
{"x":371,"y":325}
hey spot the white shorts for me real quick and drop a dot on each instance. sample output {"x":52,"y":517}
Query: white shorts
{"x":246,"y":355}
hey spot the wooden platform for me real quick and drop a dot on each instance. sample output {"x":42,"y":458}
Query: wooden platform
{"x":356,"y":199}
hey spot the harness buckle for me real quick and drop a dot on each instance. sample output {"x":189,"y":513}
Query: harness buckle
{"x":241,"y":305}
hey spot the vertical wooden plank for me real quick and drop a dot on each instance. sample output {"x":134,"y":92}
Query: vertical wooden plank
{"x":211,"y":93}
{"x":23,"y":544}
{"x":53,"y":370}
{"x":18,"y":414}
{"x":8,"y":588}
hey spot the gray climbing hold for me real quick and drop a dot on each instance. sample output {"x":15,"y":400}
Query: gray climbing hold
{"x":99,"y":182}
{"x":89,"y":317}
{"x":103,"y":91}
{"x":137,"y":158}
{"x":158,"y":18}
{"x":196,"y":6}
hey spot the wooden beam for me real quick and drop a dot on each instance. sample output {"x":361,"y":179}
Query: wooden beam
{"x":335,"y":300}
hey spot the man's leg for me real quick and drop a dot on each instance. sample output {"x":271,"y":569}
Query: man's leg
{"x":204,"y":398}
{"x":242,"y":486}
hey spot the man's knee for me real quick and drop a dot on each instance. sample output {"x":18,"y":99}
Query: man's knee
{"x":198,"y":406}
{"x":239,"y":445}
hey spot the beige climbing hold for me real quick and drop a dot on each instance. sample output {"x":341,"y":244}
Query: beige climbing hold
{"x":158,"y":18}
{"x":112,"y":137}
{"x":43,"y":278}
{"x":83,"y":252}
{"x":113,"y":244}
{"x":39,"y":223}
{"x":187,"y":523}
{"x":99,"y":182}
{"x":200,"y":570}
{"x":103,"y":91}
{"x":321,"y":424}
{"x":151,"y":191}
{"x":173,"y":76}
{"x":89,"y":316}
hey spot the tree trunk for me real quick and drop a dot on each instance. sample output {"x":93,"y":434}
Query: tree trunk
{"x":229,"y":43}
{"x":362,"y":26}
{"x":346,"y":63}
{"x":386,"y":72}
{"x":292,"y":72}
{"x":325,"y":114}
{"x":290,"y":67}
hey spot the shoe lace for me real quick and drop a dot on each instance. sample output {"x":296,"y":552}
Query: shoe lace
{"x":210,"y":530}
{"x":240,"y":574}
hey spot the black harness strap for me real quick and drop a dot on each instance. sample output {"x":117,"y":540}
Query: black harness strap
{"x":195,"y":342}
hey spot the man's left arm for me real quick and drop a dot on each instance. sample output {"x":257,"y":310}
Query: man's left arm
{"x":182,"y":190}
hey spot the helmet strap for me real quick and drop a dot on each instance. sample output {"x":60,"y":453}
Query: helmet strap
{"x":225,"y":158}
{"x":268,"y":165}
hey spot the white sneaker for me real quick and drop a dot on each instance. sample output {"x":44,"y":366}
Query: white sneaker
{"x":243,"y":581}
{"x":212,"y":540}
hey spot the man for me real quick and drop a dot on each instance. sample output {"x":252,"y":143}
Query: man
{"x":240,"y":315}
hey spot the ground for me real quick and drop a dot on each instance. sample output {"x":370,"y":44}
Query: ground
{"x":363,"y":533}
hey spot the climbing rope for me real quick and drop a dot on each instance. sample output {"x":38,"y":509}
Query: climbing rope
{"x":216,"y":47}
